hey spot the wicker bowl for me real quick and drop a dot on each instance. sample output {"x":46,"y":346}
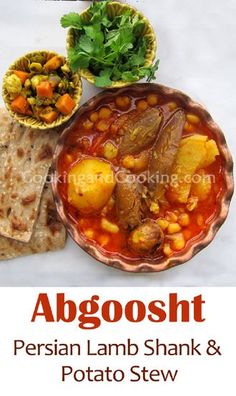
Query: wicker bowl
{"x":114,"y":9}
{"x":223,"y":203}
{"x":30,"y":121}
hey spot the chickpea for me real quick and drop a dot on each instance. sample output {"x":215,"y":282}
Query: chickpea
{"x":94,"y":116}
{"x":104,"y":113}
{"x":138,"y":163}
{"x":102,"y":126}
{"x":152,"y":100}
{"x":110,"y":151}
{"x":193,"y":119}
{"x":167,"y":250}
{"x":89,"y":233}
{"x":128,"y":161}
{"x":154,"y":208}
{"x":141,"y":161}
{"x":173,"y":228}
{"x":178,"y":242}
{"x":88,"y":124}
{"x":109,"y":226}
{"x":171,"y":216}
{"x":187,"y":234}
{"x":142,"y":105}
{"x":104,"y":240}
{"x":200,"y":220}
{"x":172,"y":106}
{"x":123,"y":102}
{"x":163,"y":223}
{"x":183,"y":220}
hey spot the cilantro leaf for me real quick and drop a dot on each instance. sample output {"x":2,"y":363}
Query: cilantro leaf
{"x":78,"y":60}
{"x":71,"y":20}
{"x":129,"y":76}
{"x":98,"y":13}
{"x":104,"y":79}
{"x":86,"y":44}
{"x":94,"y":32}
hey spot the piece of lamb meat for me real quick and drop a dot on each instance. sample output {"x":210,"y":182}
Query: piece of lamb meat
{"x":139,"y":131}
{"x":128,"y":200}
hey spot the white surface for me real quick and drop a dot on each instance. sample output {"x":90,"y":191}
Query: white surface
{"x":198,"y":55}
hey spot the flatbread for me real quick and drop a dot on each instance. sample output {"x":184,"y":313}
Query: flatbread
{"x":48,"y":234}
{"x":25,"y":157}
{"x":6,"y":125}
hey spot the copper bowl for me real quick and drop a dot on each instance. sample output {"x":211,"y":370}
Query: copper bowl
{"x":149,"y":265}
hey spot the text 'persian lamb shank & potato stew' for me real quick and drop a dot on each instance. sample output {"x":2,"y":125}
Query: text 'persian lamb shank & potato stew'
{"x":140,"y":174}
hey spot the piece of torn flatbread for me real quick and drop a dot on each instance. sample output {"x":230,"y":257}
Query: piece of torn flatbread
{"x":6,"y":125}
{"x":25,"y":157}
{"x":49,"y":234}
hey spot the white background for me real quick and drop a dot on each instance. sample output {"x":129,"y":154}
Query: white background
{"x":198,"y":375}
{"x":198,"y":55}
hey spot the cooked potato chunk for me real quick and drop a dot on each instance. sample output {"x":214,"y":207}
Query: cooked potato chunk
{"x":90,"y":185}
{"x":212,"y":152}
{"x":195,"y":152}
{"x":202,"y":187}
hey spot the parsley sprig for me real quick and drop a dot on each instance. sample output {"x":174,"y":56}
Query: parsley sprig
{"x":112,"y":49}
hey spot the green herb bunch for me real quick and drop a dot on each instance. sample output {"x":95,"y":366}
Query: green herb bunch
{"x":112,"y":49}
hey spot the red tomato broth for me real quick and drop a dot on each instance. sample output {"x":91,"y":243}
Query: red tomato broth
{"x":116,"y":244}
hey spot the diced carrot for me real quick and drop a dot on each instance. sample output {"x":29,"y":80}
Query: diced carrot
{"x":22,"y":75}
{"x":65,"y":104}
{"x":20,"y":105}
{"x":54,"y":63}
{"x":44,"y":90}
{"x":49,"y":117}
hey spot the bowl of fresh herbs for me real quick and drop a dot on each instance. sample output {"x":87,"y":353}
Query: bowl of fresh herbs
{"x":111,"y":44}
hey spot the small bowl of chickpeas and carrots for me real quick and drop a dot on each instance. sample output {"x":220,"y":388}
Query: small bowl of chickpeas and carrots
{"x":40,"y":90}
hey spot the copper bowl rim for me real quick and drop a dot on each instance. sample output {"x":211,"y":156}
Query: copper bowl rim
{"x":146,"y":265}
